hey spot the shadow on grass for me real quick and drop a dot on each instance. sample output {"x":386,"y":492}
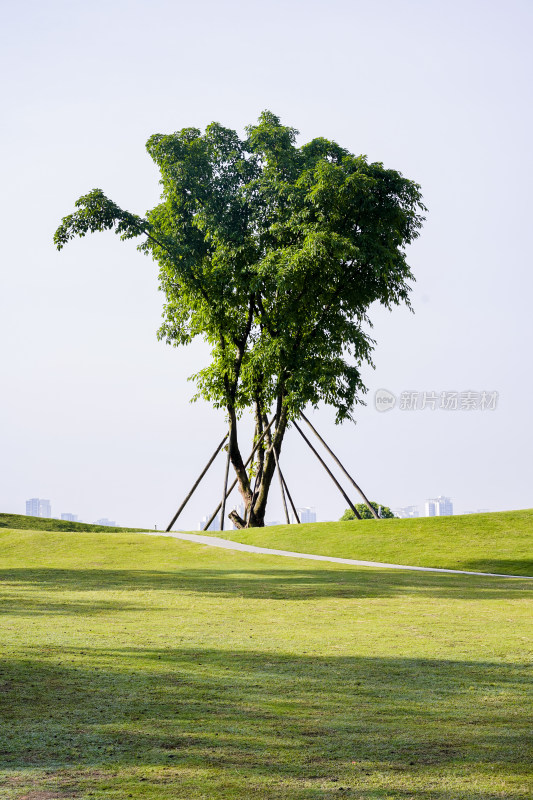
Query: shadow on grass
{"x":277,"y":584}
{"x":25,"y":606}
{"x":258,"y":717}
{"x":507,"y":566}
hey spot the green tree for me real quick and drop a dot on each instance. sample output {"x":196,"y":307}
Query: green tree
{"x":383,"y":511}
{"x":273,"y":254}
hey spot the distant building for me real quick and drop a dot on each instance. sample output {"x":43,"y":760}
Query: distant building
{"x":45,"y":509}
{"x":70,"y":517}
{"x":32,"y":507}
{"x":306,"y":514}
{"x":105,"y":521}
{"x":215,"y":525}
{"x":444,"y":507}
{"x":38,"y":507}
{"x":409,"y":512}
{"x":438,"y":507}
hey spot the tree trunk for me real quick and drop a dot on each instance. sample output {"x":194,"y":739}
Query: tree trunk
{"x":238,"y":463}
{"x":255,"y":499}
{"x":257,"y":515}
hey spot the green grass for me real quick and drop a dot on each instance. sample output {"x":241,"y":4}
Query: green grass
{"x":497,"y":542}
{"x":493,"y":542}
{"x":148,"y":667}
{"x":24,"y":523}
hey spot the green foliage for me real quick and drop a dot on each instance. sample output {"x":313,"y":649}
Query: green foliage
{"x":273,"y":253}
{"x":383,"y":511}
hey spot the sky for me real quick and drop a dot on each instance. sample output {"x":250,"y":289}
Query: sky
{"x":95,"y":413}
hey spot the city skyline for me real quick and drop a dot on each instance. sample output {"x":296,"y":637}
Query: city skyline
{"x":440,"y":506}
{"x":40,"y":507}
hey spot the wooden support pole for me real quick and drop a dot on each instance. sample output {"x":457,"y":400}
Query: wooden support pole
{"x":281,"y":487}
{"x":332,"y":454}
{"x":330,"y":473}
{"x":258,"y":477}
{"x":234,"y":484}
{"x":180,"y":509}
{"x":290,"y":498}
{"x":254,"y":495}
{"x":224,"y":495}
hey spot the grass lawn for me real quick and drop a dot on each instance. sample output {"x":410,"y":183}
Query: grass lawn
{"x":496,"y":542}
{"x":24,"y":523}
{"x":147,"y":667}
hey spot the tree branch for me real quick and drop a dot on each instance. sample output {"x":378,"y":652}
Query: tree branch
{"x":264,"y":315}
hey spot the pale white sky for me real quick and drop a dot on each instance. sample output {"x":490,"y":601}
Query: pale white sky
{"x":94,"y":412}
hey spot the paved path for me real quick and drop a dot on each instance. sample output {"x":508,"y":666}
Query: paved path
{"x":215,"y":541}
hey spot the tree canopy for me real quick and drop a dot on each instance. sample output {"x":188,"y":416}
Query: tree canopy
{"x":364,"y":512}
{"x":273,"y":253}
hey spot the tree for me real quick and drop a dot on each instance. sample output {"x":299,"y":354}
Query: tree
{"x":273,"y":254}
{"x":364,"y":512}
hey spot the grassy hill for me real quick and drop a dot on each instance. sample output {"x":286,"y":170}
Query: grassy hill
{"x":146,"y":667}
{"x":493,"y":542}
{"x":23,"y":523}
{"x":496,"y":542}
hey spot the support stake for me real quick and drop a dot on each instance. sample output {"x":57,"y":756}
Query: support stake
{"x":332,"y":454}
{"x":280,"y":476}
{"x":180,"y":509}
{"x":290,"y":498}
{"x":330,"y":473}
{"x":223,"y":511}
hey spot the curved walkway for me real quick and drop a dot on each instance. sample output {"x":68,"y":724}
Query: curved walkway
{"x":227,"y":544}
